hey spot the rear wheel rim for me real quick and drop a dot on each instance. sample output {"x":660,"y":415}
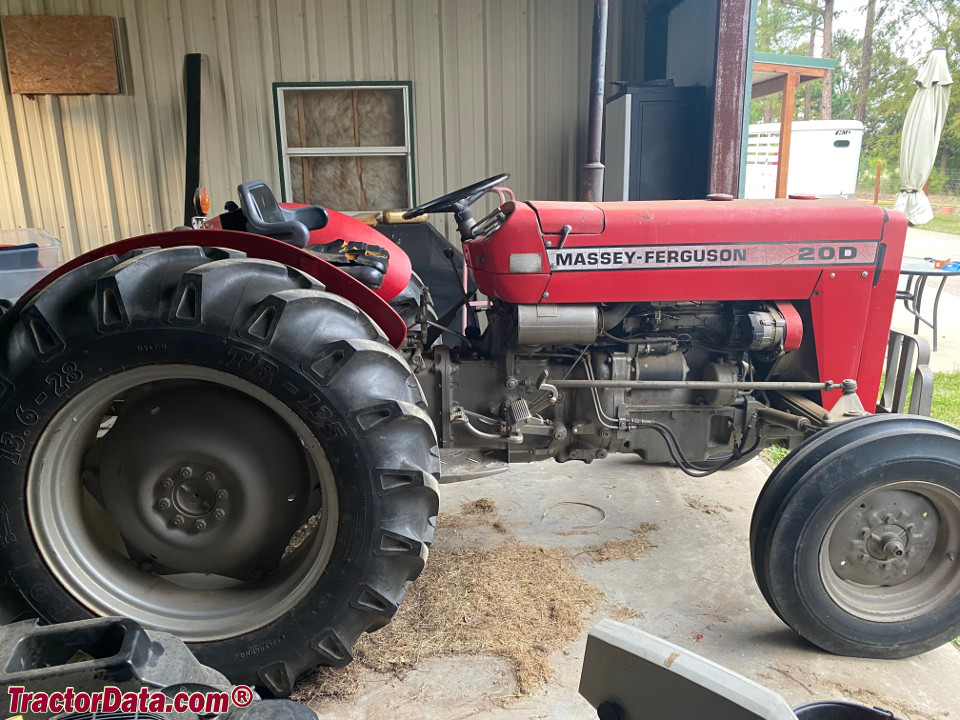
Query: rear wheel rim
{"x":82,"y":547}
{"x":890,"y":554}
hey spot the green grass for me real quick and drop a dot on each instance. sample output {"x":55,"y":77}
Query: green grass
{"x":773,"y":455}
{"x":940,"y":223}
{"x":946,"y":397}
{"x":943,"y":223}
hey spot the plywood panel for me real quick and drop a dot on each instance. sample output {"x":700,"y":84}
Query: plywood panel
{"x":60,"y":54}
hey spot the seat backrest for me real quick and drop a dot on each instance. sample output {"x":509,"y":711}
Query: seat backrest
{"x":265,"y":216}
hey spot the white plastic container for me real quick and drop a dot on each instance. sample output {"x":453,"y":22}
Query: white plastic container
{"x":824,"y":159}
{"x":22,"y":267}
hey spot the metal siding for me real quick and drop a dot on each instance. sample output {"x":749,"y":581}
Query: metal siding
{"x":13,"y":210}
{"x":497,"y":85}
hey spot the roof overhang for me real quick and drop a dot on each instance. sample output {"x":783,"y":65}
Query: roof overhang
{"x":770,"y":71}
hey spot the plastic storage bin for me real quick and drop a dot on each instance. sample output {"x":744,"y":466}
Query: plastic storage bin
{"x":26,"y":256}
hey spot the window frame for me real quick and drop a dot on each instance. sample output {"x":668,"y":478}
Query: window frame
{"x":284,"y":153}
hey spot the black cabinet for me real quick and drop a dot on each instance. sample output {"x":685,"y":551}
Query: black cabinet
{"x":657,"y":144}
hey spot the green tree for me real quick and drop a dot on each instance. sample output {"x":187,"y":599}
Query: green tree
{"x":905,"y":32}
{"x":874,"y":79}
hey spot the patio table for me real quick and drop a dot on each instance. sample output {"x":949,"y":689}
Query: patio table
{"x":918,"y":270}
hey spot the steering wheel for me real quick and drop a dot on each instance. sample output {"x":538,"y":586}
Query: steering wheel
{"x":458,"y":200}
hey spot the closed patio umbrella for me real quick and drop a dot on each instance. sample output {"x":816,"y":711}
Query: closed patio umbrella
{"x":921,"y":136}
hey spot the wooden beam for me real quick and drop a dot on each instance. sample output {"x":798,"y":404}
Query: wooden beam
{"x":787,"y":69}
{"x":768,"y":87}
{"x":775,"y":85}
{"x":732,"y":76}
{"x":791,"y":82}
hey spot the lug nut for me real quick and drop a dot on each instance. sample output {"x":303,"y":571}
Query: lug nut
{"x":209,"y":477}
{"x":200,"y":525}
{"x":178,"y":520}
{"x":889,"y":518}
{"x":219,"y":514}
{"x":163,"y":504}
{"x":221,"y":494}
{"x":185,"y":472}
{"x":167,"y":483}
{"x":864,"y":533}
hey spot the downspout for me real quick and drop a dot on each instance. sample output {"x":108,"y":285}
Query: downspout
{"x":591,"y":188}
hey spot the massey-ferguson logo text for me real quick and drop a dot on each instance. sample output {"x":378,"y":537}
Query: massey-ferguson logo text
{"x":664,"y":257}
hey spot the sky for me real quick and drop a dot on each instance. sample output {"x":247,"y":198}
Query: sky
{"x":851,"y":17}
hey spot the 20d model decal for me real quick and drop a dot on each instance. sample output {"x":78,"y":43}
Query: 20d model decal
{"x":654,"y":257}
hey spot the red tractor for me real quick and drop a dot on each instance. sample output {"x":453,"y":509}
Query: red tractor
{"x":234,"y":434}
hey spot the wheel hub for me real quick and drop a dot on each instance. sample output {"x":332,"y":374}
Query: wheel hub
{"x":887,"y":542}
{"x":192,"y":497}
{"x":884,"y":539}
{"x":202,"y":479}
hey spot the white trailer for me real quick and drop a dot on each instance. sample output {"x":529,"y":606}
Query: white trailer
{"x":824,"y":159}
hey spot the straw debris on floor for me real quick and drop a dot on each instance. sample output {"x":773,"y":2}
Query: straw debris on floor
{"x":632,"y":549}
{"x":513,"y":601}
{"x":473,"y":513}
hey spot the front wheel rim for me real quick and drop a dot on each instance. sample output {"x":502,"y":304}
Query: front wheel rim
{"x":75,"y":538}
{"x":890,"y":555}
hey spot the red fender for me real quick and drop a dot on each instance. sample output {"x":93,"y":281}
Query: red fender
{"x":342,"y":226}
{"x":256,"y":246}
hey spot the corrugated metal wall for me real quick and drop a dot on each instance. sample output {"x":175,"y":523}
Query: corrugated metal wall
{"x":498,"y":85}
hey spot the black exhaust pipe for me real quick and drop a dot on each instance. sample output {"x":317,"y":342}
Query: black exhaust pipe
{"x":591,"y":188}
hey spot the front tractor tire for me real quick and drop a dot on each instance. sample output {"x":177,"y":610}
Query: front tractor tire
{"x":215,"y":447}
{"x":855,"y":538}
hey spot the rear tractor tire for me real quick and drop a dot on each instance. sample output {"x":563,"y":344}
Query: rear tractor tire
{"x":215,"y":447}
{"x":855,"y":538}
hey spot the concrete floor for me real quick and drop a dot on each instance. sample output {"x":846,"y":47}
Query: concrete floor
{"x":696,"y":589}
